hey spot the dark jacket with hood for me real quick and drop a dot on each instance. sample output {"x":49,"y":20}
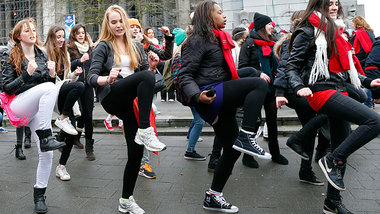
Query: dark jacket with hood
{"x":301,"y":60}
{"x":101,"y":65}
{"x":372,"y":66}
{"x":14,"y":84}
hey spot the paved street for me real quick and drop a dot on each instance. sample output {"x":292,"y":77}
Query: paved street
{"x":96,"y":186}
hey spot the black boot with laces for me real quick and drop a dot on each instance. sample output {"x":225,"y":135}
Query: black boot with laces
{"x":218,"y":203}
{"x":335,"y":207}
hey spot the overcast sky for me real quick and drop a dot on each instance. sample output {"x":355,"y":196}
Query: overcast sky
{"x":372,"y":14}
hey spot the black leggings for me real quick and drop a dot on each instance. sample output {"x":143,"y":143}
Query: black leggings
{"x":249,"y":92}
{"x":86,"y":104}
{"x":69,"y":140}
{"x":68,"y":95}
{"x":271,"y":120}
{"x":341,"y":110}
{"x":119,"y":102}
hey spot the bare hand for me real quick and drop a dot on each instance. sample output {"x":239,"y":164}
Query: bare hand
{"x":32,"y":66}
{"x":113,"y":75}
{"x":165,"y":30}
{"x":84,"y":58}
{"x":265,"y":77}
{"x":205,"y":99}
{"x":78,"y":71}
{"x":280,"y":101}
{"x":153,"y":60}
{"x":377,"y":101}
{"x":51,"y":66}
{"x":375,"y":83}
{"x":305,"y":92}
{"x":139,"y":37}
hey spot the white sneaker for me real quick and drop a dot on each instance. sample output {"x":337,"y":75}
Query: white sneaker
{"x":66,"y":126}
{"x":149,"y":139}
{"x":62,"y":174}
{"x":130,"y":206}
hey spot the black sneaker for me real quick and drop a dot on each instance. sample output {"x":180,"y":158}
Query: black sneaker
{"x":194,"y":156}
{"x":319,"y":154}
{"x":280,"y":159}
{"x":249,"y":161}
{"x":308,"y":176}
{"x":218,"y":203}
{"x":212,"y":163}
{"x":296,"y":147}
{"x":246,"y":143}
{"x":335,"y":207}
{"x":333,"y":171}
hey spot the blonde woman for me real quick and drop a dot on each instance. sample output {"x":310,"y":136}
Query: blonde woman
{"x":120,"y":73}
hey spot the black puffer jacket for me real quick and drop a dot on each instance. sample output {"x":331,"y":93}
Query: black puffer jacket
{"x":203,"y":63}
{"x":13,"y":84}
{"x":301,"y":60}
{"x":75,"y":62}
{"x":101,"y":65}
{"x":249,"y":52}
{"x":372,"y":66}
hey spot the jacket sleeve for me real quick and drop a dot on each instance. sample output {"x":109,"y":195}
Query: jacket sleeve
{"x":101,"y":52}
{"x":11,"y":82}
{"x":372,"y":67}
{"x":280,"y":82}
{"x":167,"y":53}
{"x":191,"y":54}
{"x":144,"y":64}
{"x":297,"y":57}
{"x":244,"y":55}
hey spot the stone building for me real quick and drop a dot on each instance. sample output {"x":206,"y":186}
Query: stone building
{"x":172,"y":13}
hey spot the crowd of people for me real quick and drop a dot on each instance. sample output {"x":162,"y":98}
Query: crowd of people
{"x":318,"y":69}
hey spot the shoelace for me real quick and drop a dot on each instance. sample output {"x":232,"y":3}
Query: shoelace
{"x":132,"y":205}
{"x":254,"y":139}
{"x":222,"y":201}
{"x":339,"y":169}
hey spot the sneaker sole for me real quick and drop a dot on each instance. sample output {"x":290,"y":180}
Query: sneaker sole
{"x":312,"y":183}
{"x":148,"y":147}
{"x":61,"y":178}
{"x":146,"y":176}
{"x":327,"y":176}
{"x":220,"y":210}
{"x":328,"y":212}
{"x":122,"y":210}
{"x":268,"y":157}
{"x":196,"y":159}
{"x":302,"y":157}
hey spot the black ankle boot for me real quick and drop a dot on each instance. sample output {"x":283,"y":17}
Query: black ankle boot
{"x":39,"y":200}
{"x":213,"y":162}
{"x":19,"y":153}
{"x":47,"y":141}
{"x":249,"y":161}
{"x":77,"y":142}
{"x":27,"y":140}
{"x":90,"y":149}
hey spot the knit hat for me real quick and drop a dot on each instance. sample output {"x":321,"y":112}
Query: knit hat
{"x":179,"y":35}
{"x":261,"y":20}
{"x":134,"y":22}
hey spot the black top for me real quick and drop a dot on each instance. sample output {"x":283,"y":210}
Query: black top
{"x":75,"y":62}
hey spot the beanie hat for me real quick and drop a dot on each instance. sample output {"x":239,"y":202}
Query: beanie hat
{"x":261,"y":20}
{"x":179,"y":35}
{"x":134,"y":22}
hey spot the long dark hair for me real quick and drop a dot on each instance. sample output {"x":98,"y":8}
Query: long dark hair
{"x":331,"y":29}
{"x":55,"y":53}
{"x":72,"y":39}
{"x":203,"y":22}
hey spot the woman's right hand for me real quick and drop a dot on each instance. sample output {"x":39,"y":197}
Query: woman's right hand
{"x":265,"y":77}
{"x":32,"y":66}
{"x":305,"y":92}
{"x":113,"y":75}
{"x":84,"y":58}
{"x":203,"y":98}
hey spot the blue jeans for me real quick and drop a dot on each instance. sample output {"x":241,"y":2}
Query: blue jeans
{"x":369,"y":102}
{"x":195,"y":130}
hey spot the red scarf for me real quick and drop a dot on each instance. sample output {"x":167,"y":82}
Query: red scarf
{"x":266,"y":46}
{"x":362,"y":39}
{"x":227,"y":45}
{"x":337,"y":62}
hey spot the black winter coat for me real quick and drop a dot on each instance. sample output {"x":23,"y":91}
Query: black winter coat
{"x":373,"y":66}
{"x":203,"y":63}
{"x":75,"y":62}
{"x":362,"y":56}
{"x":301,"y":60}
{"x":101,"y":65}
{"x":249,"y":52}
{"x":165,"y":54}
{"x":13,"y":84}
{"x":280,"y":82}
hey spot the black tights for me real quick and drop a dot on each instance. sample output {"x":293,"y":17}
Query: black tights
{"x":119,"y":102}
{"x":249,"y":92}
{"x":86,"y":103}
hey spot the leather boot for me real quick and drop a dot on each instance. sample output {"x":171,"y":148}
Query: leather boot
{"x":27,"y":140}
{"x":19,"y":153}
{"x":77,"y":142}
{"x":90,"y":149}
{"x":39,"y":200}
{"x":47,"y":141}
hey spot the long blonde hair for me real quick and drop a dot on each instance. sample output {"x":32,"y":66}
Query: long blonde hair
{"x":360,"y":22}
{"x":107,"y":34}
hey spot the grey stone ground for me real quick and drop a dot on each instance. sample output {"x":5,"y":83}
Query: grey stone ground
{"x":179,"y":188}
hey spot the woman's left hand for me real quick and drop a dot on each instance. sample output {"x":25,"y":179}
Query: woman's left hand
{"x":153,"y":61}
{"x":375,"y":83}
{"x":78,"y":71}
{"x":280,"y":101}
{"x":51,"y":66}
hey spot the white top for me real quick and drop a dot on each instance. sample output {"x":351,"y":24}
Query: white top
{"x":125,"y":66}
